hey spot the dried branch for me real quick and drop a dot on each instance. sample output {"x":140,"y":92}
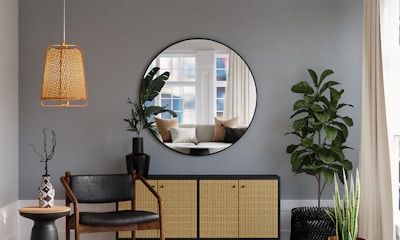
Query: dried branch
{"x":47,"y":156}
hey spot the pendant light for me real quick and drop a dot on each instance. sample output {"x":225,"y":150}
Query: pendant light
{"x":64,"y":78}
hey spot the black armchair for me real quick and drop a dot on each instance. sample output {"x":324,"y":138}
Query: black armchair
{"x":108,"y":188}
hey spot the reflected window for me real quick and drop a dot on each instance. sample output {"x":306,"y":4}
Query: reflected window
{"x":179,"y":91}
{"x":220,"y":100}
{"x":181,"y":68}
{"x":221,"y":67}
{"x":221,"y":78}
{"x":180,"y":99}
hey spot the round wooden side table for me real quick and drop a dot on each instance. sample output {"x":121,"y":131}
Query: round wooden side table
{"x":44,"y":227}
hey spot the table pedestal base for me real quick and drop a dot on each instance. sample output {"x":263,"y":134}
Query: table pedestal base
{"x":44,"y":227}
{"x":44,"y":230}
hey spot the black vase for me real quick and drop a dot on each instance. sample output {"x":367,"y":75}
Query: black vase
{"x":138,"y":160}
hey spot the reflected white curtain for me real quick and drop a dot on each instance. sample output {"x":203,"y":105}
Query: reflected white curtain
{"x":240,"y":95}
{"x":376,"y":209}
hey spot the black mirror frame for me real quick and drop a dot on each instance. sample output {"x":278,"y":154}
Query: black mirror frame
{"x":200,"y":153}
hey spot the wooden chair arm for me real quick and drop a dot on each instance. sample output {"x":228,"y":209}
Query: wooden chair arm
{"x":148,"y":186}
{"x":71,"y":196}
{"x":155,"y":194}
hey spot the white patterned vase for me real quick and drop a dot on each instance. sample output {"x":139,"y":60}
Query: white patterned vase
{"x":46,"y":193}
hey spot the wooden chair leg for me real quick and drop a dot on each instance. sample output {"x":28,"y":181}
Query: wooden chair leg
{"x":67,"y":234}
{"x":162,"y":237}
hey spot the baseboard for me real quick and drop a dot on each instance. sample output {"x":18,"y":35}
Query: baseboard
{"x":15,"y":227}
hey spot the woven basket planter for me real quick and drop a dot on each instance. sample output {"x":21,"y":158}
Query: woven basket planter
{"x":335,"y":238}
{"x":311,"y":223}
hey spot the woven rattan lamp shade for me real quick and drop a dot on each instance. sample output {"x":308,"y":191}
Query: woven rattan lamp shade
{"x":64,"y":78}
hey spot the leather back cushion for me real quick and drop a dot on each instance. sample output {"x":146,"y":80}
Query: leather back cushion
{"x":102,"y":188}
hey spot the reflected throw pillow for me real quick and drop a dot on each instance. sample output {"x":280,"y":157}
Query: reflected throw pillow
{"x":183,"y":135}
{"x":164,"y":126}
{"x":219,"y":131}
{"x":233,"y":134}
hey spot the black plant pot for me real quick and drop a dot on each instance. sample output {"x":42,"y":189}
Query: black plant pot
{"x":138,"y":160}
{"x":311,"y":223}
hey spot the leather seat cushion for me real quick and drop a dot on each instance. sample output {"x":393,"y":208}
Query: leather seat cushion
{"x":115,"y":218}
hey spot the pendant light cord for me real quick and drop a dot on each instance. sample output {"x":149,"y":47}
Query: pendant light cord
{"x":64,"y":23}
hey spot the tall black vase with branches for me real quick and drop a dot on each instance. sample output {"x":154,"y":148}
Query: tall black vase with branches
{"x":46,"y":191}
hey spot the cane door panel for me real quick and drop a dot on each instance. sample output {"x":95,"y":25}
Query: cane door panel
{"x":180,"y":207}
{"x":218,"y":208}
{"x":258,"y":208}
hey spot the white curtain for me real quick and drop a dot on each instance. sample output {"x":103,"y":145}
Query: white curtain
{"x":376,"y":209}
{"x":240,"y":95}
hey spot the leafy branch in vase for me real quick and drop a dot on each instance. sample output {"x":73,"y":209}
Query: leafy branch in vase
{"x":137,"y":120}
{"x":48,"y":153}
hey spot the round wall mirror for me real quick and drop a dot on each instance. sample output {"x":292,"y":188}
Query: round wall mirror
{"x":212,"y":91}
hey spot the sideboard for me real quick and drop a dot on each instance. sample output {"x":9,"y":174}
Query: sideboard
{"x":212,"y":206}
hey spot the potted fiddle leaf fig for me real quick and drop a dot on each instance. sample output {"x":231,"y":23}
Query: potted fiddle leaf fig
{"x":141,"y":118}
{"x":322,"y":133}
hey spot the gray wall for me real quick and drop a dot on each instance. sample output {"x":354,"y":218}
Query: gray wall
{"x":8,"y":102}
{"x":279,"y":39}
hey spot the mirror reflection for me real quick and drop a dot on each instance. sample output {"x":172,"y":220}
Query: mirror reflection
{"x":212,"y":91}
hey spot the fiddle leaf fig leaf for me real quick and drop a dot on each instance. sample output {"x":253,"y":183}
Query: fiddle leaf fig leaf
{"x":316,"y":108}
{"x":307,"y":142}
{"x":327,"y":159}
{"x":344,"y":105}
{"x":299,"y":124}
{"x":291,"y":148}
{"x":330,"y":132}
{"x":299,"y":104}
{"x":339,"y":153}
{"x":327,"y":85}
{"x":335,"y":96}
{"x":347,"y":120}
{"x":323,"y":118}
{"x":342,"y":127}
{"x":347,"y":165}
{"x":316,"y":125}
{"x":308,"y":100}
{"x":296,"y":161}
{"x":302,"y":87}
{"x":325,"y":74}
{"x":328,"y":176}
{"x":302,"y":110}
{"x":314,"y":77}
